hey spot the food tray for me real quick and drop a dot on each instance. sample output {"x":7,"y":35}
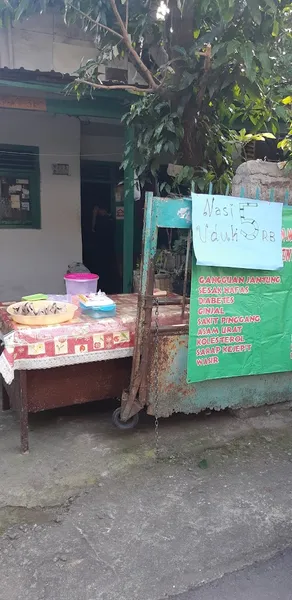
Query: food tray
{"x":39,"y":320}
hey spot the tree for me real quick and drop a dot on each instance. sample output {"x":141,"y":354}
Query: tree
{"x":204,"y":66}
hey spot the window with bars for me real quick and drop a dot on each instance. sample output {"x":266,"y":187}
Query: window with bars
{"x":19,"y":187}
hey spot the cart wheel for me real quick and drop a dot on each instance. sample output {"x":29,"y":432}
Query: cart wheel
{"x":130,"y":424}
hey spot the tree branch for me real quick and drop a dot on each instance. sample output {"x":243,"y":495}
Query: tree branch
{"x":96,"y":23}
{"x":207,"y":66}
{"x":142,"y":67}
{"x":100,"y":86}
{"x":127,"y":15}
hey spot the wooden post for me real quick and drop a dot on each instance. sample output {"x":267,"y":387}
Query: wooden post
{"x":128,"y":246}
{"x":23,"y":409}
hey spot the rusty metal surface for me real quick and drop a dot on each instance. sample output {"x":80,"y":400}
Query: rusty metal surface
{"x":175,"y":395}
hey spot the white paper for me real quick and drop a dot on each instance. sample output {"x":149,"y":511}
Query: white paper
{"x":15,"y":201}
{"x":237,"y":232}
{"x":14,"y":188}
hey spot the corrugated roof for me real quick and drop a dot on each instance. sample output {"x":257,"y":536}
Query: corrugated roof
{"x":37,"y":75}
{"x":53,"y":77}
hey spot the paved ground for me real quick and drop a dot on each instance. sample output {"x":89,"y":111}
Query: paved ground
{"x":90,"y":514}
{"x":270,"y":580}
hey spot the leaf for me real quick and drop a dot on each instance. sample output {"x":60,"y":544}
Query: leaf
{"x":287,"y":100}
{"x":196,"y":33}
{"x":180,"y":5}
{"x":265,"y":61}
{"x":269,"y":136}
{"x":170,"y":127}
{"x":281,"y":113}
{"x":186,"y":80}
{"x":254,"y":10}
{"x":180,"y":50}
{"x":253,"y":119}
{"x":247,"y":56}
{"x":22,"y":6}
{"x":272,"y":5}
{"x":232,"y":47}
{"x":115,"y":51}
{"x":276,"y":29}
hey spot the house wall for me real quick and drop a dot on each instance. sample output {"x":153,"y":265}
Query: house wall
{"x":102,"y":140}
{"x":35,"y":261}
{"x":44,"y":42}
{"x":101,"y":148}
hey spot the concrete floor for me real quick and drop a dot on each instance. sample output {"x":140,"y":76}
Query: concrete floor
{"x":90,"y":514}
{"x":270,"y":580}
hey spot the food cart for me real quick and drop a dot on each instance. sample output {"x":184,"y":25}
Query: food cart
{"x":139,"y":356}
{"x":159,"y":367}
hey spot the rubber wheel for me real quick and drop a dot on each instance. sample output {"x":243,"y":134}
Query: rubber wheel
{"x":130,"y":424}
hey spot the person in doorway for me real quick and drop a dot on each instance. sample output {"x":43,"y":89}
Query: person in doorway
{"x":96,"y":213}
{"x":103,"y":254}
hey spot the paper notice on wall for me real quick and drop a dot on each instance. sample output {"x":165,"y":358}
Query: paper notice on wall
{"x":237,"y":232}
{"x":14,"y":188}
{"x":25,"y":206}
{"x":15,"y":201}
{"x":119,"y":213}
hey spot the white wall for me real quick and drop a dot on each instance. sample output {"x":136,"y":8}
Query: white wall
{"x":44,"y":42}
{"x":97,"y":148}
{"x":34,"y":261}
{"x":102,"y":140}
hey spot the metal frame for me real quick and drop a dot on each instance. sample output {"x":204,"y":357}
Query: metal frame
{"x":159,"y":212}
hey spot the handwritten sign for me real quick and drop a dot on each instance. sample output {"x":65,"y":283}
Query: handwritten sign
{"x":237,"y":232}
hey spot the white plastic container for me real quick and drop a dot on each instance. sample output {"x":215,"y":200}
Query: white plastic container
{"x":97,"y":306}
{"x":80,"y":283}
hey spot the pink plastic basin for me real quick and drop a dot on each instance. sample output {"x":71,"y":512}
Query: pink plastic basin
{"x":81,"y":283}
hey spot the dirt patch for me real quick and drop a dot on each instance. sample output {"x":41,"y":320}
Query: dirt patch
{"x":21,"y":516}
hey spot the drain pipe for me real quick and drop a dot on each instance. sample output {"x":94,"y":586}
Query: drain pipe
{"x":10,"y":44}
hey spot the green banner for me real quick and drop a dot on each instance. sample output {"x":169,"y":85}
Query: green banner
{"x":241,"y":320}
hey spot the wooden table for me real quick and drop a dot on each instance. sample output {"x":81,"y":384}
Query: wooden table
{"x":73,"y":363}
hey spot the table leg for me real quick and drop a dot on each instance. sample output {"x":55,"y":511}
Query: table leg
{"x":23,"y":412}
{"x":5,"y":398}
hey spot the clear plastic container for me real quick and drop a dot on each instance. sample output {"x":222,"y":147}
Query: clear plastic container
{"x":80,"y":283}
{"x":101,"y":312}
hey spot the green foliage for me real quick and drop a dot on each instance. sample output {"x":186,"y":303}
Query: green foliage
{"x":286,"y":144}
{"x":14,"y":10}
{"x":209,"y":67}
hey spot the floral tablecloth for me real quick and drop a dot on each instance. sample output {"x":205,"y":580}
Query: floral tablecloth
{"x":81,"y":340}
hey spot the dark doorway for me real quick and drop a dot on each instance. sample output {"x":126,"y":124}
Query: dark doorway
{"x":98,"y":233}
